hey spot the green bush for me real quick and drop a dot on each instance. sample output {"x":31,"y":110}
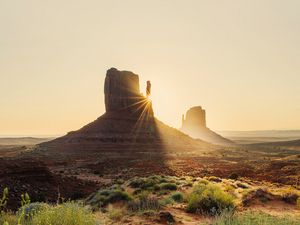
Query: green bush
{"x":106,"y":196}
{"x":166,"y":201}
{"x":143,"y":183}
{"x":168,"y":186}
{"x":209,"y":199}
{"x":228,"y":218}
{"x":177,"y":197}
{"x":153,"y":183}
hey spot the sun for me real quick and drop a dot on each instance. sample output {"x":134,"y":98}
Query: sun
{"x":149,"y":98}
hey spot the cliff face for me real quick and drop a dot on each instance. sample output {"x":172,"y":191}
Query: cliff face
{"x":194,"y":124}
{"x":122,"y":93}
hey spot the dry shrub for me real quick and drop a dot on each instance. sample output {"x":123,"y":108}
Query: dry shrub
{"x":209,"y":199}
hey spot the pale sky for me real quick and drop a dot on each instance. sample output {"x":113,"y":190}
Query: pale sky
{"x":239,"y":59}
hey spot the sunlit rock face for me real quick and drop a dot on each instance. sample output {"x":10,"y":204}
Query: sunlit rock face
{"x":122,"y":93}
{"x":194,"y":124}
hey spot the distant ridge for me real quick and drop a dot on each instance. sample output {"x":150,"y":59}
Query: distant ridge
{"x":22,"y":140}
{"x":261,"y":133}
{"x":280,"y":143}
{"x":259,"y":136}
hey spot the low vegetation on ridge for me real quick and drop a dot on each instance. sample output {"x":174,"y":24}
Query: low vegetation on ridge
{"x":153,"y":199}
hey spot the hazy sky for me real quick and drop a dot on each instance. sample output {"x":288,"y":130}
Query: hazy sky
{"x":240,"y":60}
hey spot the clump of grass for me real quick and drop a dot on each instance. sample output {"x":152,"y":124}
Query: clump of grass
{"x":144,"y":203}
{"x":209,"y":199}
{"x":153,"y":183}
{"x":203,"y":181}
{"x":177,"y":196}
{"x":8,"y":218}
{"x":143,"y":183}
{"x":168,"y":186}
{"x":22,"y":213}
{"x":171,"y":199}
{"x":66,"y":213}
{"x":3,"y":199}
{"x":229,"y":218}
{"x":106,"y":196}
{"x":115,"y":213}
{"x":166,"y":201}
{"x":31,"y":209}
{"x":4,"y":217}
{"x":69,"y":213}
{"x":298,"y":203}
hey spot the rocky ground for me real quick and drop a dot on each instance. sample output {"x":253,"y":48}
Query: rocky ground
{"x":168,"y":199}
{"x":75,"y":176}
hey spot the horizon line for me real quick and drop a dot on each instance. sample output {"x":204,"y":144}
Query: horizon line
{"x":59,"y":135}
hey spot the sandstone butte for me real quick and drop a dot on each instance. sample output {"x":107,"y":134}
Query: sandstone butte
{"x":128,"y":123}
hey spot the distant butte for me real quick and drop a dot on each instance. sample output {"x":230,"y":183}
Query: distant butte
{"x":194,"y":124}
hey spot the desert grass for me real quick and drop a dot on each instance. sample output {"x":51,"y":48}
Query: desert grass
{"x":69,"y":213}
{"x":253,"y":218}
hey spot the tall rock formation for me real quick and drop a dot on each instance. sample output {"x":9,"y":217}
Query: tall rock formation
{"x":194,"y":124}
{"x":129,"y":120}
